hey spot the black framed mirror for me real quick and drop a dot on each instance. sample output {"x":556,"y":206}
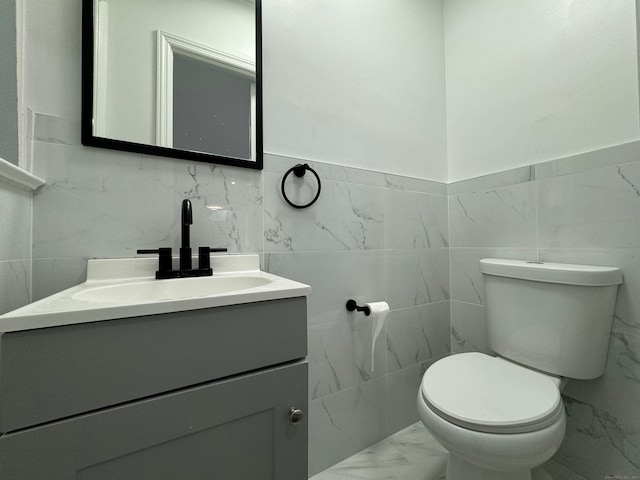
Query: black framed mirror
{"x":174,"y":78}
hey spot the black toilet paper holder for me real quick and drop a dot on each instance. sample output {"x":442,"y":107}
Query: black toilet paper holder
{"x":352,"y":305}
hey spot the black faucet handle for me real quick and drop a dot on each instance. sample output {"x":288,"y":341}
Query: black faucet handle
{"x":164,"y":259}
{"x":204,"y":261}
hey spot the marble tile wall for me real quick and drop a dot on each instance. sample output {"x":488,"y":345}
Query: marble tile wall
{"x":370,"y":237}
{"x":364,"y":239}
{"x":583,"y":209}
{"x":15,"y":246}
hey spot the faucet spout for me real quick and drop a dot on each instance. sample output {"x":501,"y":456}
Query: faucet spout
{"x":165,"y":265}
{"x":185,"y":249}
{"x":187,"y":219}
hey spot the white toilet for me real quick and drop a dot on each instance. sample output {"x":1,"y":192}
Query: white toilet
{"x":500,"y":417}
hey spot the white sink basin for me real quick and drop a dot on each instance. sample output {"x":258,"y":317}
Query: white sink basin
{"x":122,"y":288}
{"x":167,"y":290}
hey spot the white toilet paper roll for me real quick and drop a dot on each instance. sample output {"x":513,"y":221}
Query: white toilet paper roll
{"x":379,"y":312}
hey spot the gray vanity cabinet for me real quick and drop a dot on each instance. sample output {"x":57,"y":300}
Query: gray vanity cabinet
{"x":234,"y":426}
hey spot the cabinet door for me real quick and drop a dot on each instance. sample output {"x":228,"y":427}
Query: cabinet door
{"x":236,"y":429}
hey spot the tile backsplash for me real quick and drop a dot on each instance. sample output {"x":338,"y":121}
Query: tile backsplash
{"x":371,"y":236}
{"x":583,"y":210}
{"x":15,"y":246}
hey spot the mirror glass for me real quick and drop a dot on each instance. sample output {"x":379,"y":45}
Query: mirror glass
{"x":177,"y":78}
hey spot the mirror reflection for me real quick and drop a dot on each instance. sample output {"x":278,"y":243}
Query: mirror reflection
{"x":177,"y":74}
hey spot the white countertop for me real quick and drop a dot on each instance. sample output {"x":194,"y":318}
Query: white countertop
{"x":72,"y":307}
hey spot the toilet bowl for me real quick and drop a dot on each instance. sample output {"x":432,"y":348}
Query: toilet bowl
{"x":498,"y":420}
{"x":500,"y":417}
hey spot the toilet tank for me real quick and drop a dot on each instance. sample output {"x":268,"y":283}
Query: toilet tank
{"x":550,"y":316}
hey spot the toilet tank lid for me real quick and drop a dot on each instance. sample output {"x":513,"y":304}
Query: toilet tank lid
{"x":588,"y":275}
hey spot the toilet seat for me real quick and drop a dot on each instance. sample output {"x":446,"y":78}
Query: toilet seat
{"x":489,"y":394}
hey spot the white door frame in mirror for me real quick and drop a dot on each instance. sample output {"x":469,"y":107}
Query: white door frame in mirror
{"x":167,"y":46}
{"x":101,"y":44}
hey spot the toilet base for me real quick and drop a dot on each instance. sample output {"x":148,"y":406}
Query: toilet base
{"x":458,"y":469}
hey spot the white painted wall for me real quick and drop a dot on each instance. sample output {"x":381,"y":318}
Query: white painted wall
{"x":51,"y":38}
{"x":528,"y":81}
{"x":361,"y":87}
{"x":357,"y":83}
{"x":226,"y":25}
{"x":534,"y":80}
{"x":8,"y":84}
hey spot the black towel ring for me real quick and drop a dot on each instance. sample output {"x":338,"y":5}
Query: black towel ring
{"x":299,"y":171}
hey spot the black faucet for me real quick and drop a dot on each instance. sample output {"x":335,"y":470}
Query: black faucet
{"x":165,"y":268}
{"x":185,"y":247}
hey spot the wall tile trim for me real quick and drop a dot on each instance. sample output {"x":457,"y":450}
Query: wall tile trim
{"x":19,"y":177}
{"x":578,"y":163}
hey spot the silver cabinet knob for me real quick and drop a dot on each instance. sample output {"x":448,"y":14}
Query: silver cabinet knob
{"x":295,"y":416}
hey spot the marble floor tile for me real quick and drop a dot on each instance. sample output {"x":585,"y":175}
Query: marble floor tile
{"x":417,"y":445}
{"x":410,"y":454}
{"x":558,"y":472}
